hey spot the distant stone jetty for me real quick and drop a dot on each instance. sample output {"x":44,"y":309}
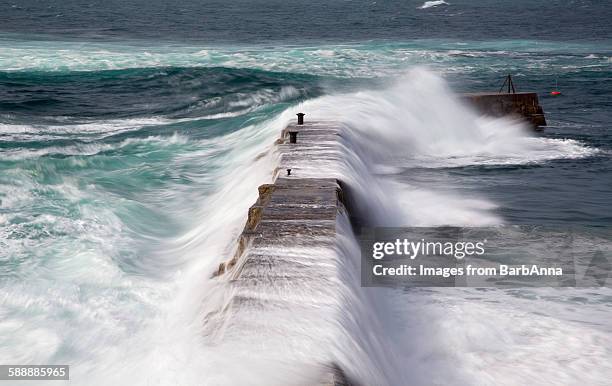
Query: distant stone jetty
{"x":509,"y":103}
{"x":522,"y":104}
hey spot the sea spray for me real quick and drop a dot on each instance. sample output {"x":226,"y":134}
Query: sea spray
{"x":333,"y":316}
{"x":131,"y":313}
{"x":420,"y":121}
{"x":166,"y":284}
{"x":420,"y":124}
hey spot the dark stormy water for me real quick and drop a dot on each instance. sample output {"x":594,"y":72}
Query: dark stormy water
{"x":131,"y":135}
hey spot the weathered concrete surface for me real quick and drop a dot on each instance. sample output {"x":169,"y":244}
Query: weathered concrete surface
{"x":317,"y":148}
{"x":289,"y":240}
{"x":290,"y":211}
{"x":524,"y":104}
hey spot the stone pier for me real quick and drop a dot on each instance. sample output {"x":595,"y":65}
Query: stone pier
{"x":296,"y":211}
{"x":521,"y":104}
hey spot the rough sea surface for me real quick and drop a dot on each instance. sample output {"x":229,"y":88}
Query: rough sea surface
{"x":131,"y":142}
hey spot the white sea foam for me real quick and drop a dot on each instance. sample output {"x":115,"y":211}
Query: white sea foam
{"x":91,"y":149}
{"x":430,"y":4}
{"x":357,"y":60}
{"x":85,"y":130}
{"x":340,"y":60}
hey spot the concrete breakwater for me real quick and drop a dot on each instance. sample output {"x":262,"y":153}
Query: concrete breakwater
{"x":294,"y":206}
{"x":301,"y":210}
{"x":294,"y":212}
{"x":522,"y":104}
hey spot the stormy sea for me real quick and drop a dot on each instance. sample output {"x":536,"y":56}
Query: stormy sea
{"x":134,"y":135}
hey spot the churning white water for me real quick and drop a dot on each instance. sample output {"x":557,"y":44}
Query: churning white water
{"x":430,"y":4}
{"x":115,"y":328}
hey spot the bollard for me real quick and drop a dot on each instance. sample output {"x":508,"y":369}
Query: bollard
{"x":300,"y":118}
{"x":288,"y":172}
{"x":293,"y":136}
